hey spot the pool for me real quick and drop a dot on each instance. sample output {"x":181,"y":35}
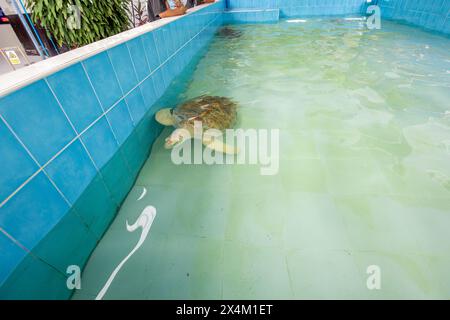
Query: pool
{"x":363,"y":180}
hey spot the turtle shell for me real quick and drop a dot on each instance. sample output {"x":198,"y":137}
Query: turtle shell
{"x":214,"y":112}
{"x":229,"y":33}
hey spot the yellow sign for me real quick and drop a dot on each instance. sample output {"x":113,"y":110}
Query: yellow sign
{"x":13,"y":57}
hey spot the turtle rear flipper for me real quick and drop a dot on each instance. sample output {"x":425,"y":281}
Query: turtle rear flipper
{"x":218,"y":145}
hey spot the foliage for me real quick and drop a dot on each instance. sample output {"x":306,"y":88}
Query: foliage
{"x":97,"y":19}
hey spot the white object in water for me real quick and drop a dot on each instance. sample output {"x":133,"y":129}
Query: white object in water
{"x":144,"y":221}
{"x":297,"y":21}
{"x":355,"y":19}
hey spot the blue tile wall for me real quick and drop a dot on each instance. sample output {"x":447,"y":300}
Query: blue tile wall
{"x":139,"y":59}
{"x":35,"y":116}
{"x":33,"y":211}
{"x":299,"y":8}
{"x":72,"y":144}
{"x":121,"y":122}
{"x":72,"y":171}
{"x":151,"y":52}
{"x":17,"y":165}
{"x":136,"y":105}
{"x":123,"y":66}
{"x":430,"y":14}
{"x":101,"y":74}
{"x":252,"y":16}
{"x":10,"y":255}
{"x":100,"y":141}
{"x":68,"y":93}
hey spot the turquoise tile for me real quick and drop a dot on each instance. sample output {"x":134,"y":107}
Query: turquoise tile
{"x":11,"y":255}
{"x":166,"y":74}
{"x":17,"y":165}
{"x":100,"y":142}
{"x":33,"y":211}
{"x":148,"y":129}
{"x":33,"y":279}
{"x":121,"y":122}
{"x":171,"y":39}
{"x":117,"y":177}
{"x":123,"y":66}
{"x":76,"y":95}
{"x":135,"y":153}
{"x":95,"y":206}
{"x":103,"y":221}
{"x":148,"y":92}
{"x":36,"y":117}
{"x":151,"y":53}
{"x":136,"y":104}
{"x":68,"y":243}
{"x":72,"y":171}
{"x":160,"y":41}
{"x":160,"y":86}
{"x":103,"y":78}
{"x":139,"y":60}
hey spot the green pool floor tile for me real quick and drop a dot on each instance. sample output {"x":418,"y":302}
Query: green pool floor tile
{"x":255,"y":272}
{"x":298,"y":144}
{"x":324,"y":274}
{"x":203,"y":214}
{"x":405,"y":276}
{"x":303,"y":175}
{"x":313,"y":223}
{"x":341,"y":144}
{"x":191,"y":268}
{"x":256,"y":219}
{"x":355,"y":176}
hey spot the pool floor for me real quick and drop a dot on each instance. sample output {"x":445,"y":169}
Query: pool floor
{"x":364,"y":175}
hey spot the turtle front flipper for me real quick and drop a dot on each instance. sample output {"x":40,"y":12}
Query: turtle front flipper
{"x":177,"y":137}
{"x":217,"y":145}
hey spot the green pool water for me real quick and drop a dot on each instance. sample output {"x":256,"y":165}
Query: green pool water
{"x":364,"y":174}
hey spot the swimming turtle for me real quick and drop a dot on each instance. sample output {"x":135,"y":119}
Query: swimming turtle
{"x":213,"y":112}
{"x":229,"y":32}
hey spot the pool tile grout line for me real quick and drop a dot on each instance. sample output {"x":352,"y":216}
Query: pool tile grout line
{"x":80,"y":134}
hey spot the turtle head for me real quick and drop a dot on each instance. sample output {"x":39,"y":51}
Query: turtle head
{"x":165,"y":117}
{"x":177,"y":137}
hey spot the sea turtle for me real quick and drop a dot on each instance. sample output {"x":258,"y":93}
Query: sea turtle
{"x":229,"y":32}
{"x":213,"y":112}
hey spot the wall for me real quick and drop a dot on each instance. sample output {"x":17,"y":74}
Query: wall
{"x":241,"y":16}
{"x":72,"y":141}
{"x":430,"y":14}
{"x":297,"y":8}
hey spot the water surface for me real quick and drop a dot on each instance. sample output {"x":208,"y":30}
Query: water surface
{"x":364,"y":179}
